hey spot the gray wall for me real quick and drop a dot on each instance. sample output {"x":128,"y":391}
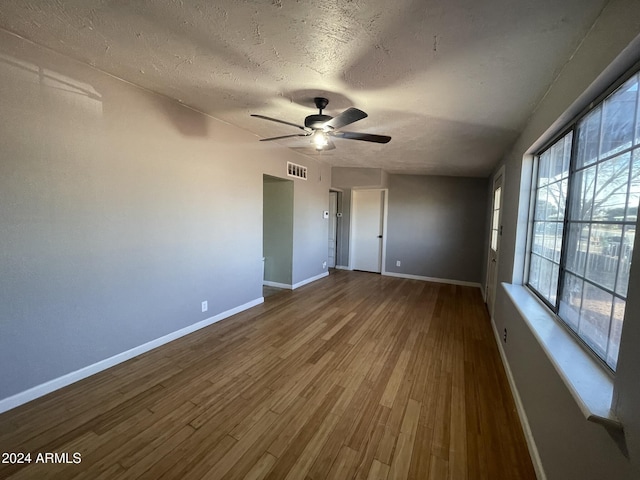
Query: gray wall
{"x":357,"y":177}
{"x":562,"y":434}
{"x":437,"y":226}
{"x":570,"y":447}
{"x":310,"y":228}
{"x":120,"y":211}
{"x":278,"y":229}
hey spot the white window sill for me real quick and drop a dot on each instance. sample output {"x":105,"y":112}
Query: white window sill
{"x":587,"y":381}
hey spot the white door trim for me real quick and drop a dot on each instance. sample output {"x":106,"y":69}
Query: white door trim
{"x":385,"y":205}
{"x":491,"y":290}
{"x":333,"y":225}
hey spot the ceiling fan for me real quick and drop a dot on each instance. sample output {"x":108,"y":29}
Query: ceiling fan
{"x":320,"y":127}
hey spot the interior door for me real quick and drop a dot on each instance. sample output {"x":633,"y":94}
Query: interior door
{"x":333,"y":228}
{"x":367,"y":230}
{"x":494,"y":244}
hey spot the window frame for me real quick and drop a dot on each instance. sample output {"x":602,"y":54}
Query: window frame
{"x":572,"y":127}
{"x":533,"y":204}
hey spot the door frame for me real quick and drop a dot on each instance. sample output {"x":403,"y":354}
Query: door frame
{"x":487,"y":290}
{"x":336,"y":219}
{"x":288,"y":182}
{"x":385,"y":210}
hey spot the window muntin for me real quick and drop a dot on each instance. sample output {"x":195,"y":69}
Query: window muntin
{"x":586,"y":196}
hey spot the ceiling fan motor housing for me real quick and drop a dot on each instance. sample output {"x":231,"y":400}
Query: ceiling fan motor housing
{"x":316,"y":121}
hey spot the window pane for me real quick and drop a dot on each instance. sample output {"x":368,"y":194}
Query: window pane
{"x":540,"y":277}
{"x":543,"y":168}
{"x":602,"y":263}
{"x":618,"y":119}
{"x":637,"y":118}
{"x":538,"y":237}
{"x":547,"y":240}
{"x":541,"y":204}
{"x":634,"y":188}
{"x":571,"y":300}
{"x":626,"y":251}
{"x":534,"y":272}
{"x":595,"y":317}
{"x":553,"y":284}
{"x":616,"y":332}
{"x":551,"y":201}
{"x":611,"y":189}
{"x":577,"y":247}
{"x":611,"y":241}
{"x":545,"y":278}
{"x":588,"y":138}
{"x":556,"y":200}
{"x":558,"y":245}
{"x":582,"y":196}
{"x":546,"y":282}
{"x":557,"y":164}
{"x":568,"y":140}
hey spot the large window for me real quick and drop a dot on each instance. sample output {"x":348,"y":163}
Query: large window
{"x":587,"y":191}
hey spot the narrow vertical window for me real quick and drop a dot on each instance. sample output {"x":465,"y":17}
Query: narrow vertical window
{"x":495,"y":219}
{"x":549,"y":216}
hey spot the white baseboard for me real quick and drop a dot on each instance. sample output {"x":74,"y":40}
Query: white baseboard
{"x":433,"y":279}
{"x":267,"y":283}
{"x":309,"y":280}
{"x":60,"y":382}
{"x":524,"y":421}
{"x":342,"y":267}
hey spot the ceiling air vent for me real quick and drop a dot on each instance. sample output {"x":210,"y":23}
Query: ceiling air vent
{"x":297,"y":171}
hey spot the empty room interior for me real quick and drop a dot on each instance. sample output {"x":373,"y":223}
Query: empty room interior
{"x":314,"y":240}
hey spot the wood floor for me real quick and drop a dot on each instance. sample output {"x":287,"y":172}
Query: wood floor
{"x":354,"y":376}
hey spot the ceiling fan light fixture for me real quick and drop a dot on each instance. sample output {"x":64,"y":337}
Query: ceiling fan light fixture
{"x":319,"y":139}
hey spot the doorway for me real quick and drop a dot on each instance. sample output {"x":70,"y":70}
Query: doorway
{"x":494,"y":241}
{"x":277,"y":231}
{"x":366,"y":252}
{"x":333,"y":229}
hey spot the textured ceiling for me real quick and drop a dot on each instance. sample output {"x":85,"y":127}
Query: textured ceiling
{"x":452,"y":81}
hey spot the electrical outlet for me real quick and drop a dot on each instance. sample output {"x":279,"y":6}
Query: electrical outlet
{"x":205,"y":306}
{"x":397,"y":263}
{"x":324,"y":264}
{"x":504,"y":337}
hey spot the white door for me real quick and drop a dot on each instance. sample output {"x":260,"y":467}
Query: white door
{"x":494,"y":244}
{"x":333,"y":227}
{"x":366,"y":247}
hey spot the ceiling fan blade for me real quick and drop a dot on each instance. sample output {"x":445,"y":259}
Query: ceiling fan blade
{"x":284,"y":136}
{"x":279,"y":121}
{"x":366,"y":137}
{"x":347,"y":117}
